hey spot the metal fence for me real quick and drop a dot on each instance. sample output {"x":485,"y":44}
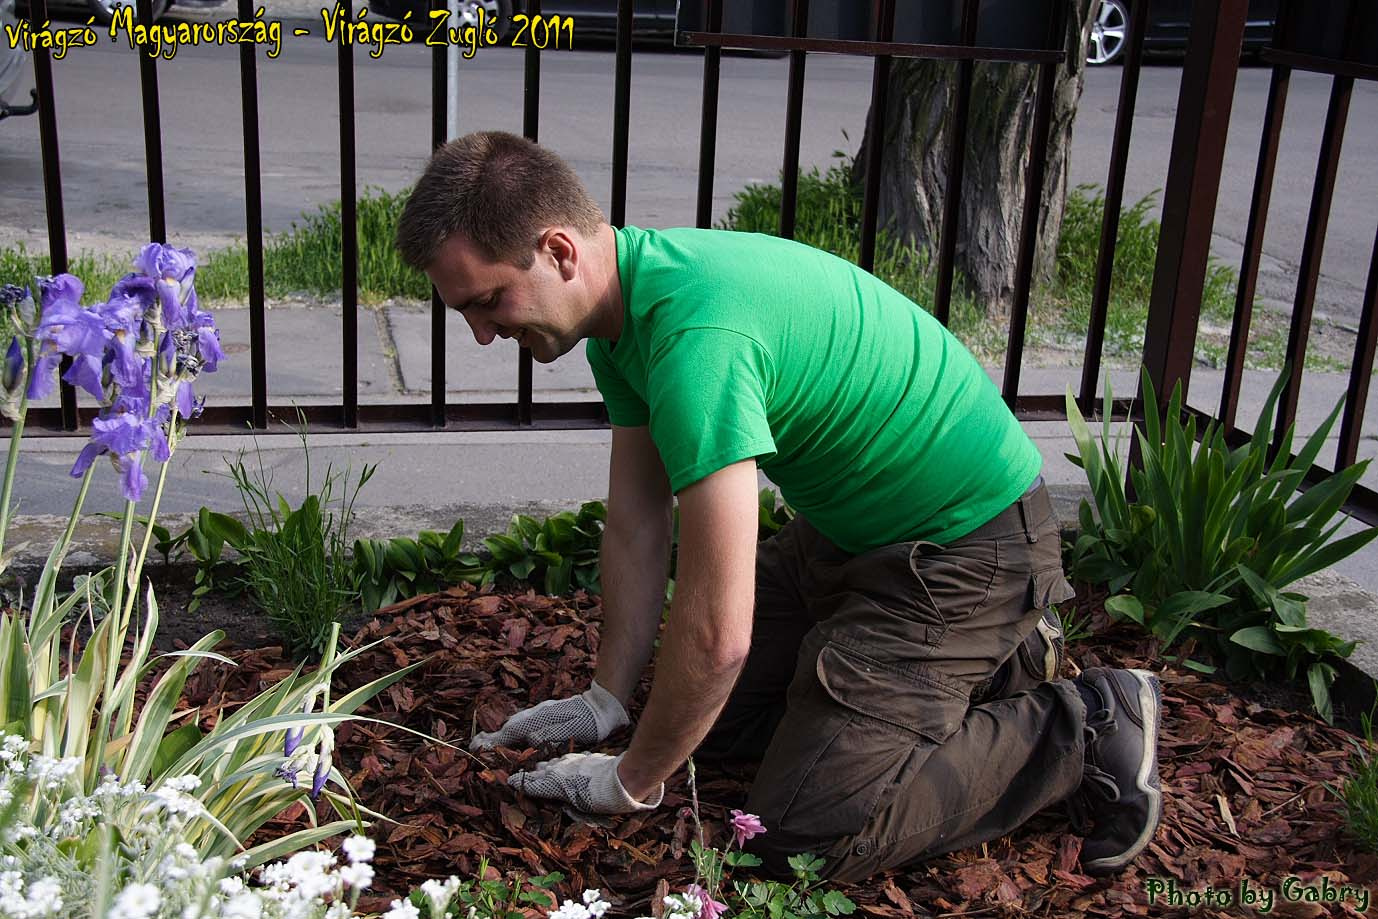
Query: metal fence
{"x":1334,"y":37}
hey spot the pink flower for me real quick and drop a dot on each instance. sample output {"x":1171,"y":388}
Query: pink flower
{"x":708,"y":907}
{"x":745,"y":826}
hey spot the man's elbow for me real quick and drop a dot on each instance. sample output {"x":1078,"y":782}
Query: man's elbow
{"x":722,"y":657}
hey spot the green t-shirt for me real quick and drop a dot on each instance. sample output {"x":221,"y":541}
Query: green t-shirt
{"x":873,"y":420}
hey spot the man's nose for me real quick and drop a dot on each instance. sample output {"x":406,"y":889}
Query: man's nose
{"x":484,"y":332}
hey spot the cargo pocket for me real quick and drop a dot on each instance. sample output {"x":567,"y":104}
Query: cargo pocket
{"x":1042,"y":653}
{"x":902,"y":696}
{"x":849,"y":732}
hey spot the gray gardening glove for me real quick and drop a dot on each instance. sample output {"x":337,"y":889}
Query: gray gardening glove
{"x":586,"y":781}
{"x":586,"y":719}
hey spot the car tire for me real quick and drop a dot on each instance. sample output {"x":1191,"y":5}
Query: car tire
{"x":104,"y":10}
{"x":1109,"y":31}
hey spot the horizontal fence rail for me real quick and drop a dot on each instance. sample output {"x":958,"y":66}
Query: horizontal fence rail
{"x":1211,"y":63}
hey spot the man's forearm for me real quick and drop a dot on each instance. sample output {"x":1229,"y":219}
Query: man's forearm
{"x":695,"y":672}
{"x":634,"y":563}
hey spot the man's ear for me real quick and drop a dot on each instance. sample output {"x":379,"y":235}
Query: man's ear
{"x":563,"y":248}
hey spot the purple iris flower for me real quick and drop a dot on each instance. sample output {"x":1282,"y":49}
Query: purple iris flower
{"x":65,"y":327}
{"x":86,"y":373}
{"x":167,"y":354}
{"x":73,"y":329}
{"x":123,"y":312}
{"x":142,"y":290}
{"x":126,"y":366}
{"x":14,"y":366}
{"x":208,"y":346}
{"x":132,"y":478}
{"x":187,"y":404}
{"x":41,"y":378}
{"x":58,"y":291}
{"x":318,"y":780}
{"x":126,"y":434}
{"x":293,"y":740}
{"x":156,"y":260}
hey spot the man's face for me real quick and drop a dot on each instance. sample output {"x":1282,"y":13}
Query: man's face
{"x":537,"y":306}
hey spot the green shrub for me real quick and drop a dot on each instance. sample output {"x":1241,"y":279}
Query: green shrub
{"x":295,"y":562}
{"x":389,"y":570}
{"x":559,"y":553}
{"x":1214,"y":536}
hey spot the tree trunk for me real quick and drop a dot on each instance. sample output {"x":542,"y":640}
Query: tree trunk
{"x":918,"y":145}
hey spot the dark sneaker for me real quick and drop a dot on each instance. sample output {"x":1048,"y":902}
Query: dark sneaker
{"x":1037,"y":659}
{"x":1120,"y":797}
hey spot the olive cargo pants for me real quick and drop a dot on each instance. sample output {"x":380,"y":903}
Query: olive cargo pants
{"x":856,"y":694}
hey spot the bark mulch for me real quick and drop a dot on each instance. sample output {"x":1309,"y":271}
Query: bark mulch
{"x":1244,"y":775}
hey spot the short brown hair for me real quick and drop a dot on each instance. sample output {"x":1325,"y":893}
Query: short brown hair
{"x":501,"y":191}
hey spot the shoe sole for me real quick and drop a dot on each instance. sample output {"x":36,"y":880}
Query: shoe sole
{"x":1150,"y":704}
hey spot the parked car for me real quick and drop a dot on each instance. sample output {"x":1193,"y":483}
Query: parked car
{"x":16,"y":84}
{"x":104,"y":10}
{"x":1168,"y":21}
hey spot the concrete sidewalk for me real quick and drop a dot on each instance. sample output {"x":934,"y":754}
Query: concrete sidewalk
{"x":426,"y":481}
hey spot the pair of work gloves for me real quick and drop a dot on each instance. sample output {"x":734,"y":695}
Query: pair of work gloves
{"x":588,"y":782}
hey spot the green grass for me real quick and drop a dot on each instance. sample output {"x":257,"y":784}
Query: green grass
{"x":305,"y":259}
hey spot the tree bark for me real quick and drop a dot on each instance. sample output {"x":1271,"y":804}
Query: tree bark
{"x":918,"y":145}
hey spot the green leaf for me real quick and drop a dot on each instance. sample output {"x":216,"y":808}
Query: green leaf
{"x":1320,"y":676}
{"x":223,"y":527}
{"x":174,"y":745}
{"x":1125,"y":606}
{"x":1258,"y":638}
{"x":837,"y":904}
{"x":453,"y":539}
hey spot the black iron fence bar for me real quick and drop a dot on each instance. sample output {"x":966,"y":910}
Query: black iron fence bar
{"x":1313,"y":64}
{"x":794,"y":121}
{"x":1313,"y":245}
{"x":531,"y":124}
{"x":866,"y":48}
{"x":1028,"y":229}
{"x":875,"y":133}
{"x":439,"y":134}
{"x":1361,"y":370}
{"x":621,"y":111}
{"x":1253,"y":244}
{"x":153,"y":133}
{"x":708,"y":124}
{"x":1193,"y":182}
{"x":253,"y":212}
{"x":1114,"y":200}
{"x":956,"y":167}
{"x":52,"y":186}
{"x":349,"y":241}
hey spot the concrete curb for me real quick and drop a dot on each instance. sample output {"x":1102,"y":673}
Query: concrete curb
{"x":1336,"y":603}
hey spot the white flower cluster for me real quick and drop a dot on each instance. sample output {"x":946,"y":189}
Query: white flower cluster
{"x":36,"y":900}
{"x":682,"y":906}
{"x":439,"y":894}
{"x":593,"y":907}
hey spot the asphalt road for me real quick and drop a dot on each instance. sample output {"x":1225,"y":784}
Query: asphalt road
{"x":102,"y":153}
